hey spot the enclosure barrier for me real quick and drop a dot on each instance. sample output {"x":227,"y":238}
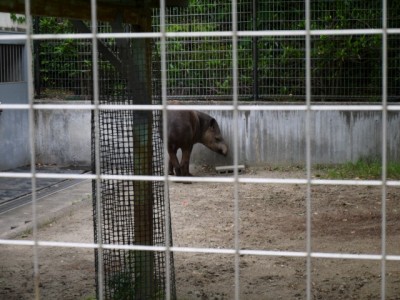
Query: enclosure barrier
{"x":270,"y":67}
{"x":101,"y":178}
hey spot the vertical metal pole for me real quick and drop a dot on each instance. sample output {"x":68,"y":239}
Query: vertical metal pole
{"x":167,"y":222}
{"x":36,"y":49}
{"x":36,"y":274}
{"x":308,"y":149}
{"x":96,"y":132}
{"x":235,"y":148}
{"x":255,"y":53}
{"x":384,"y":147}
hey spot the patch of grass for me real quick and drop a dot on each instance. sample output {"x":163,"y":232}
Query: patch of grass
{"x":361,"y":169}
{"x":393,"y":171}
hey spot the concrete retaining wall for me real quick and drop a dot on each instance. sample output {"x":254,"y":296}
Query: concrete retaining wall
{"x":63,"y":137}
{"x":7,"y":24}
{"x":279,"y":137}
{"x":14,"y":127}
{"x":265,"y":137}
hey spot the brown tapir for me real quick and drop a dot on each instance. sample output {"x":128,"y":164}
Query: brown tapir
{"x":186,"y":128}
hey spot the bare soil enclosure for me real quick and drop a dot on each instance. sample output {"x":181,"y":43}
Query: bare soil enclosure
{"x":345,"y":219}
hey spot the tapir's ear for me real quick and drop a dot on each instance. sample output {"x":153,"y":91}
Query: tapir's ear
{"x":213,"y":122}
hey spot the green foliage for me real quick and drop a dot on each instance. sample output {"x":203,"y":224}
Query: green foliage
{"x":123,"y":286}
{"x":343,"y":67}
{"x":339,"y":63}
{"x":60,"y":61}
{"x":361,"y":169}
{"x":203,"y":66}
{"x":345,"y":61}
{"x":19,"y":19}
{"x":66,"y":64}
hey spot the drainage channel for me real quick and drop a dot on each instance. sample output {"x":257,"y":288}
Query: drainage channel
{"x":40,"y":194}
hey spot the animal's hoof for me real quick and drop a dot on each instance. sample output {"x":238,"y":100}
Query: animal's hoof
{"x":185,"y":176}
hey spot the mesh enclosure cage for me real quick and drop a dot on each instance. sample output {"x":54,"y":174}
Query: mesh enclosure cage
{"x":344,"y":67}
{"x":273,"y":67}
{"x":131,"y":212}
{"x":304,"y":234}
{"x":63,"y":68}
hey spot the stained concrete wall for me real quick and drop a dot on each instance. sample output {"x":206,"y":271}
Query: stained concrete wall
{"x":63,"y":137}
{"x":14,"y":127}
{"x":14,"y":124}
{"x":265,"y":137}
{"x":6,"y":24}
{"x":279,"y":137}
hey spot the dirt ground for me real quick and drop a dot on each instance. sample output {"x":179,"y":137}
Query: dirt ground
{"x":345,"y":219}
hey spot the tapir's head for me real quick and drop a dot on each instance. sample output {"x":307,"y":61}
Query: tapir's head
{"x":212,"y":138}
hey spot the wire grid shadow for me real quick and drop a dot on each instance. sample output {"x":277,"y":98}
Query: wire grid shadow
{"x":122,"y":118}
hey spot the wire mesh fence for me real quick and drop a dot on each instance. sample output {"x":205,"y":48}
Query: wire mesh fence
{"x":119,"y":129}
{"x":130,"y":143}
{"x":270,"y":68}
{"x":132,"y":212}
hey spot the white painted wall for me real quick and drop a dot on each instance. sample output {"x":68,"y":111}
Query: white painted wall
{"x":6,"y":24}
{"x":265,"y":137}
{"x":279,"y":137}
{"x":63,"y":137}
{"x":14,"y":127}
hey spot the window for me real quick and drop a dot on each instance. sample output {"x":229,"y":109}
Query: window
{"x":11,"y":63}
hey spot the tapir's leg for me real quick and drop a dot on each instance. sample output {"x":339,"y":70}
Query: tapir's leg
{"x":170,"y":167}
{"x":174,"y":162}
{"x":185,"y":161}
